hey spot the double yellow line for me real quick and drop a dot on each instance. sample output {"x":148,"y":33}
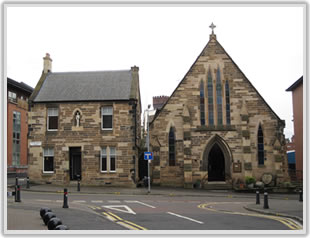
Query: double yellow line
{"x":286,"y":221}
{"x":118,"y":220}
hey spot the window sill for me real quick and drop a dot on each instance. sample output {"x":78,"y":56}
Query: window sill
{"x":107,"y":129}
{"x":47,"y":173}
{"x":108,"y":172}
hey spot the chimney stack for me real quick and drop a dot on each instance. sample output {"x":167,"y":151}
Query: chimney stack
{"x":47,"y":63}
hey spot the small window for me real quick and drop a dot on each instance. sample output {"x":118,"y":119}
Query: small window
{"x":171,"y":147}
{"x":48,"y":163}
{"x":107,"y":118}
{"x":219,"y":98}
{"x":12,"y":96}
{"x":108,"y":159}
{"x":210,"y":99}
{"x":52,"y":119}
{"x":227,"y":103}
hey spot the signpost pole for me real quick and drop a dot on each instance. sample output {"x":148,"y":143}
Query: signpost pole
{"x":148,"y":149}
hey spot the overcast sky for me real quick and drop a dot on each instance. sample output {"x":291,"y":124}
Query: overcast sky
{"x":265,"y":42}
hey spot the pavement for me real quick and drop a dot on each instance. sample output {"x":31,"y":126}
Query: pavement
{"x":286,"y":205}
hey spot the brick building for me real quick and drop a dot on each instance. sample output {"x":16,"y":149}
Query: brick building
{"x":85,"y":125}
{"x":17,"y":127}
{"x":297,"y":94}
{"x":216,"y":129}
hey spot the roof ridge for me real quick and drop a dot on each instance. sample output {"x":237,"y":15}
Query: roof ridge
{"x":93,"y":71}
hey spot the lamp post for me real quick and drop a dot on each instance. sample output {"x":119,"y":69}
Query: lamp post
{"x":148,"y":150}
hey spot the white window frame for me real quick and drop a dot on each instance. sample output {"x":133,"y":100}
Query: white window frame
{"x":106,"y":154}
{"x":48,"y":116}
{"x":48,"y":152}
{"x":12,"y":96}
{"x":107,"y":114}
{"x":108,"y":159}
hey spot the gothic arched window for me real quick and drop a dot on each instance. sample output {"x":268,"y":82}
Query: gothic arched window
{"x":210,"y":99}
{"x":202,"y":104}
{"x":171,"y":147}
{"x":219,"y":98}
{"x":260,"y":145}
{"x":227,"y":103}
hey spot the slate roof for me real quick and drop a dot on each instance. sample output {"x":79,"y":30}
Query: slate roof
{"x":21,"y":85}
{"x":86,"y":86}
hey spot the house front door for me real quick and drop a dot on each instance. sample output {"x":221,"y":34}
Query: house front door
{"x":75,"y":163}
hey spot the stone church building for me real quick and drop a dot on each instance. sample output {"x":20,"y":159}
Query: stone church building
{"x":85,"y":125}
{"x":216,"y":128}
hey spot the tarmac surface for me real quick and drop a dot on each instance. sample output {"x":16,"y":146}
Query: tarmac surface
{"x":286,"y":205}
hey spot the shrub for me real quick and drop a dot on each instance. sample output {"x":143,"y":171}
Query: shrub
{"x":249,"y":179}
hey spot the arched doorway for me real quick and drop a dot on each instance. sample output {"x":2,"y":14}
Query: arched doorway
{"x":216,"y":164}
{"x":216,"y":160}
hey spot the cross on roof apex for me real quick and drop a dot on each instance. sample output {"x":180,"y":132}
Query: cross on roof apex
{"x":212,"y":26}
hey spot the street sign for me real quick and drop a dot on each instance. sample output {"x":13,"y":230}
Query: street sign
{"x":148,"y":155}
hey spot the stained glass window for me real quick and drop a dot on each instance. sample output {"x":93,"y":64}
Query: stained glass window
{"x":202,"y":104}
{"x":219,"y":98}
{"x":227,"y":103}
{"x":210,"y":99}
{"x":171,"y":147}
{"x":260,"y":145}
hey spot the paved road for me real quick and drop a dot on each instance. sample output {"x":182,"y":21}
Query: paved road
{"x":149,"y":212}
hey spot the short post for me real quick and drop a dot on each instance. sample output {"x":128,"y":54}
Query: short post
{"x":17,"y":196}
{"x":16,"y":181}
{"x":266,"y":200}
{"x":257,"y":197}
{"x":28,"y":185}
{"x":78,"y":185}
{"x":65,"y":205}
{"x":300,"y":195}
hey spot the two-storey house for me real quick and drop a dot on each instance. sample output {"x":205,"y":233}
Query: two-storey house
{"x":85,"y":125}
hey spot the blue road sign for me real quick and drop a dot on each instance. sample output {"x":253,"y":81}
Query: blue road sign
{"x":148,"y":155}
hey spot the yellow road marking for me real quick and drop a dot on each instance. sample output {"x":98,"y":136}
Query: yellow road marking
{"x":109,"y":216}
{"x":141,"y":228}
{"x":283,"y":220}
{"x":117,"y":217}
{"x":128,"y":226}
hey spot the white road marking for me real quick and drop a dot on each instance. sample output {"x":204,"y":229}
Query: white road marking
{"x":116,"y":208}
{"x":79,"y":201}
{"x":147,"y":205}
{"x":59,"y":200}
{"x":41,"y":200}
{"x":114,"y":201}
{"x":171,"y":213}
{"x":97,"y":201}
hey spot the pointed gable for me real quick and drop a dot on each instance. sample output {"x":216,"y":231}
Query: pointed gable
{"x":214,"y":54}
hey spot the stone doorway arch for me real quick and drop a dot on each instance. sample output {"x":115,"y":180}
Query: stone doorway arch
{"x":217,"y":160}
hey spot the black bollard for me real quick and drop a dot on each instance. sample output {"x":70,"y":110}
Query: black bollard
{"x":28,"y":185}
{"x":16,"y":181}
{"x":257,"y":197}
{"x":17,"y":196}
{"x":78,"y":186}
{"x":65,"y":199}
{"x":266,"y":200}
{"x":300,"y":196}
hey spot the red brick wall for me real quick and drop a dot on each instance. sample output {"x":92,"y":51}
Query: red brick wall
{"x":23,"y":134}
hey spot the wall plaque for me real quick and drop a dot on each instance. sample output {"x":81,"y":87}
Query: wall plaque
{"x":35,"y":143}
{"x":237,"y":168}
